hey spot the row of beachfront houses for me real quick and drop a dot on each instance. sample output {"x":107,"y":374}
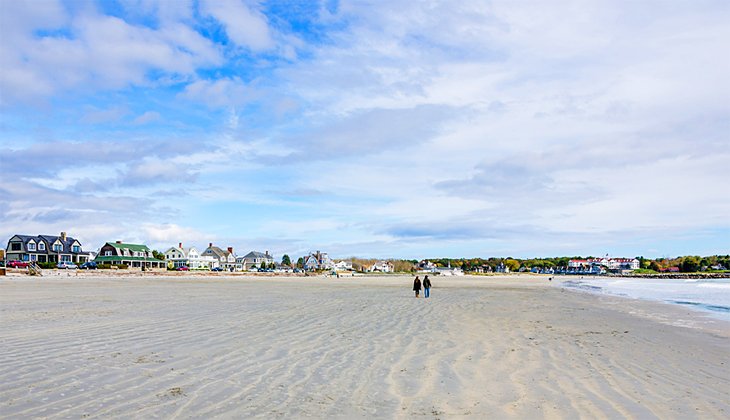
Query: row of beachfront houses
{"x":64,"y":248}
{"x":215,"y":257}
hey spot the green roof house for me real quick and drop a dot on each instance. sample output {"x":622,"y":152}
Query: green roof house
{"x":133,"y":255}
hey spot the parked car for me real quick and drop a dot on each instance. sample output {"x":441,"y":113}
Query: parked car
{"x":17,"y":264}
{"x":66,"y":265}
{"x":183,"y":268}
{"x":89,"y":265}
{"x":216,"y":269}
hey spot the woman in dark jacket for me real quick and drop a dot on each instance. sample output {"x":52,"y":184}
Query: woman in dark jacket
{"x":417,"y":286}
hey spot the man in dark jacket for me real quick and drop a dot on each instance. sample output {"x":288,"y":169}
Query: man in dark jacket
{"x":426,"y":287}
{"x":417,"y":286}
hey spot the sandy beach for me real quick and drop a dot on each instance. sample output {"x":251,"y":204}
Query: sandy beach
{"x":362,"y":347}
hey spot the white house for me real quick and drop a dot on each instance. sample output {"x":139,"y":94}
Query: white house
{"x":343,"y":266}
{"x":177,"y":257}
{"x":448,"y":271}
{"x":190,"y":257}
{"x":609,"y":263}
{"x":226,"y":259}
{"x":382,"y":266}
{"x":426,"y":266}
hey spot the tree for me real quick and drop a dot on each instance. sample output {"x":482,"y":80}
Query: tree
{"x":285,"y":260}
{"x":690,"y":264}
{"x":158,"y":255}
{"x":513,"y":264}
{"x":300,"y":262}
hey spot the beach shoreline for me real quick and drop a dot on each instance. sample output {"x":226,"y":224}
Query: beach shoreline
{"x":241,"y":346}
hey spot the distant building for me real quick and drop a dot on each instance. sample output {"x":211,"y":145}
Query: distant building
{"x":608,"y":263}
{"x":343,"y":266}
{"x":425,"y":266}
{"x":318,"y":261}
{"x":254,"y":259}
{"x":225,"y":259}
{"x":46,"y":248}
{"x":382,"y":266}
{"x":501,"y":268}
{"x":177,"y":257}
{"x":132,"y":255}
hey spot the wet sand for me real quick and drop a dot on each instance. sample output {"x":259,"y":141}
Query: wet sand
{"x":363,"y":347}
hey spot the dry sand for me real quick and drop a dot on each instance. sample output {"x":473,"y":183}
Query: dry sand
{"x":93,"y":347}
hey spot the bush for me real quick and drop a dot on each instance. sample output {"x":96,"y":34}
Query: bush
{"x":46,"y":265}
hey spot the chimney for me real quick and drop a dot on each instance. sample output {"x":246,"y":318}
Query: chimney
{"x":179,"y":245}
{"x":119,"y":242}
{"x":230,"y":250}
{"x":63,"y":236}
{"x":267,"y":253}
{"x":210,"y":244}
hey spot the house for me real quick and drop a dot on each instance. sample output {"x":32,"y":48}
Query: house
{"x":318,"y":261}
{"x":225,"y":259}
{"x":501,"y":268}
{"x":448,"y":271}
{"x":382,"y":266}
{"x":343,"y":265}
{"x":255,"y":259}
{"x":132,"y":255}
{"x":281,"y":268}
{"x":46,"y":249}
{"x":425,"y":266}
{"x":177,"y":257}
{"x":609,"y":263}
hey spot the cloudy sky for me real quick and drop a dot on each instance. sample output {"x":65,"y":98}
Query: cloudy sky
{"x":408,"y":129}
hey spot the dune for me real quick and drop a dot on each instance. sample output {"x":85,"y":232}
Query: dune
{"x":361,"y":347}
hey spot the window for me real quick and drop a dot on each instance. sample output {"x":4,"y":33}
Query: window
{"x":15,"y":246}
{"x":66,"y":258}
{"x":41,"y":246}
{"x":31,"y":246}
{"x":76,"y":248}
{"x":33,"y":257}
{"x":107,"y":253}
{"x":57,"y":247}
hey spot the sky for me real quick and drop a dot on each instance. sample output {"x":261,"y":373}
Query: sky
{"x":376,"y":129}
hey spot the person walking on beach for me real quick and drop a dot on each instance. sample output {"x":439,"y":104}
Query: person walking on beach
{"x":426,"y":287}
{"x":417,"y":286}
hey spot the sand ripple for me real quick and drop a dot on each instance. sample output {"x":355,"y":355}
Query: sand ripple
{"x":352,"y":348}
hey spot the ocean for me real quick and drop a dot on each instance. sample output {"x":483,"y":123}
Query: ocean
{"x":711,"y":296}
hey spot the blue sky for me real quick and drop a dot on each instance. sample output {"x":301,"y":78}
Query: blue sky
{"x":405,"y":129}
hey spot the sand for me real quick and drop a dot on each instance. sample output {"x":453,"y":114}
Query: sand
{"x":237,"y":347}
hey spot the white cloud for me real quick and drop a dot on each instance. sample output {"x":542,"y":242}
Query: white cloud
{"x":220,"y":93}
{"x":147,"y":117}
{"x":245,"y":26}
{"x":93,"y":51}
{"x":171,"y":234}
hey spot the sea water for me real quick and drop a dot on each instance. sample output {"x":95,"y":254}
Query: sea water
{"x":711,"y":296}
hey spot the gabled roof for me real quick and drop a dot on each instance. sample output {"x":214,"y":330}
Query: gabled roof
{"x":131,"y":247}
{"x":50,"y":240}
{"x":256,"y":254}
{"x":217,"y":251}
{"x":178,"y":249}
